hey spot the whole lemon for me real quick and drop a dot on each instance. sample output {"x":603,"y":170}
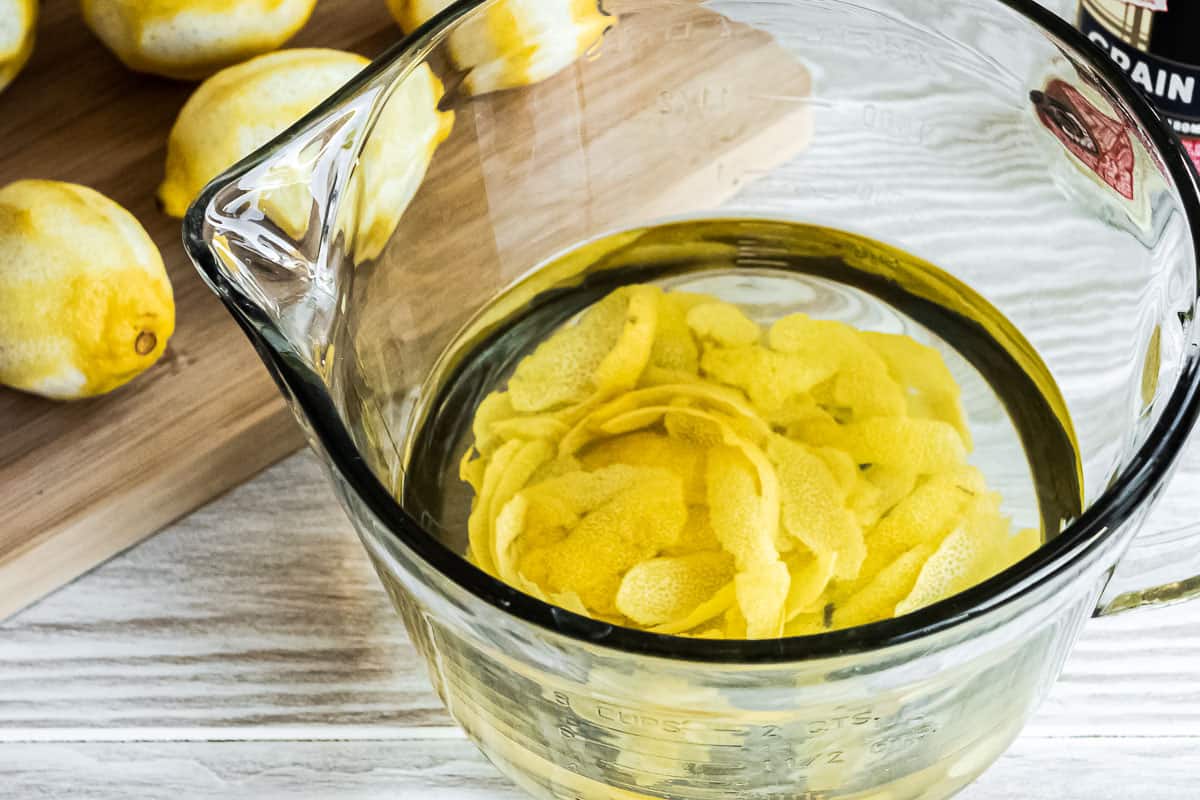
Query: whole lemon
{"x":241,"y":108}
{"x":17,"y":20}
{"x":85,"y":304}
{"x":189,"y":39}
{"x":513,"y":42}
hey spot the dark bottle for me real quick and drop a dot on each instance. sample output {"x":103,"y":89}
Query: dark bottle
{"x":1157,"y":44}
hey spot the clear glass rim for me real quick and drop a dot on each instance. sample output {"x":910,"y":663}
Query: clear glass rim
{"x":1136,"y":483}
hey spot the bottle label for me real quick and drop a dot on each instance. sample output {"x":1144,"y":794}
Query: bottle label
{"x":1153,"y":5}
{"x":1172,"y":86}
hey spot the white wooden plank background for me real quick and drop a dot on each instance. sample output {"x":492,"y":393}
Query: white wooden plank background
{"x":452,"y":770}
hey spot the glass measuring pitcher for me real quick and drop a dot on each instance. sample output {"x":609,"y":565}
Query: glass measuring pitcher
{"x":986,"y":137}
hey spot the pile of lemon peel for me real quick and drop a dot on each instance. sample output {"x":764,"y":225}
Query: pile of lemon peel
{"x":665,"y":463}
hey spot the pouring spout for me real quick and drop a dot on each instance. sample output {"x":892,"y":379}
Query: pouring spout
{"x":269,"y":235}
{"x":285,"y":229}
{"x":292,"y":237}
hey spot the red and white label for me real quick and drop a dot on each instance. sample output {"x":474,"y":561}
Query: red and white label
{"x":1100,"y":142}
{"x":1193,"y":149}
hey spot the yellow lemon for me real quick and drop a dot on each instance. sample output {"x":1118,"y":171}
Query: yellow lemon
{"x":395,"y":157}
{"x":189,"y":39}
{"x":85,"y":304}
{"x":515,"y":42}
{"x":241,"y":108}
{"x":17,"y":19}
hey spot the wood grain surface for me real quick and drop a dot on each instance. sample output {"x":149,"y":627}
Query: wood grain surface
{"x":85,"y":480}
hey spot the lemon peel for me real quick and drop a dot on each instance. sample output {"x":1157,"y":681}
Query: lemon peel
{"x":664,"y":463}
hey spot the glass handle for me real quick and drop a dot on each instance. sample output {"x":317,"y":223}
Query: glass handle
{"x":1158,"y":569}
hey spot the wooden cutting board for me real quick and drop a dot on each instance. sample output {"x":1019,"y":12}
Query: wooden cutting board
{"x":81,"y":481}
